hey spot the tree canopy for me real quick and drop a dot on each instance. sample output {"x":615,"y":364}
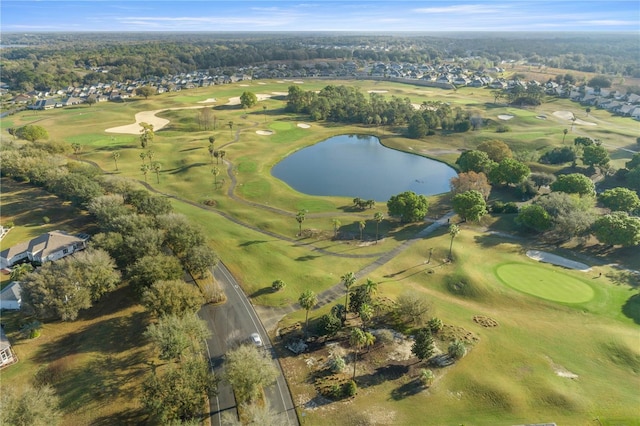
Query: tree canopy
{"x":31,"y":132}
{"x":574,"y":183}
{"x":617,"y":228}
{"x":409,"y":206}
{"x":469,"y":205}
{"x":248,"y":99}
{"x":620,"y":199}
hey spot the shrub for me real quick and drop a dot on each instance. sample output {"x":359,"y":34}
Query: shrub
{"x":350,"y":388}
{"x":457,"y":349}
{"x":329,"y":325}
{"x":278,"y":285}
{"x":336,"y":364}
{"x":435,"y":324}
{"x":426,"y":377}
{"x":503,"y":129}
{"x":45,"y":219}
{"x":31,"y":330}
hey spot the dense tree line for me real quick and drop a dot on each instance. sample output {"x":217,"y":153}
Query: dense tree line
{"x":58,"y":60}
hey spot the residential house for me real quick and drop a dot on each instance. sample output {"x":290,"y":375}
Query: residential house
{"x":11,"y":297}
{"x":47,"y":247}
{"x":7,"y":357}
{"x":46,"y":104}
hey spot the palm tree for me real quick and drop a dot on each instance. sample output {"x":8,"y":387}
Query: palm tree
{"x":143,"y":155}
{"x":217,"y":155}
{"x":378,"y":217}
{"x":357,"y":339}
{"x":348,"y":279}
{"x":264,"y":110}
{"x":307,"y":300}
{"x":336,"y":224}
{"x":369,"y":340}
{"x":371,"y":287}
{"x":453,"y":231}
{"x":156,"y":168}
{"x":230,"y":124}
{"x":361,"y":225}
{"x":215,"y":171}
{"x":564,"y":134}
{"x":19,"y":271}
{"x":339,"y":311}
{"x":366,"y":313}
{"x":300,"y":217}
{"x":116,"y":156}
{"x":150,"y":155}
{"x":144,"y":169}
{"x":212,"y":139}
{"x":222,"y":153}
{"x":212,"y":152}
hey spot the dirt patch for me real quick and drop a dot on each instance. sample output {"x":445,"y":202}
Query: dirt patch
{"x":485,"y":321}
{"x":561,"y":371}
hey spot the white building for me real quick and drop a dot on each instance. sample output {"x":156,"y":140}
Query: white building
{"x":11,"y":297}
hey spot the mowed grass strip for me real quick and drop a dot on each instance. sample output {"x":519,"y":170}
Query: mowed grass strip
{"x":544,"y":283}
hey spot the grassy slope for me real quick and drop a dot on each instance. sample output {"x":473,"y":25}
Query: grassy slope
{"x":507,"y":377}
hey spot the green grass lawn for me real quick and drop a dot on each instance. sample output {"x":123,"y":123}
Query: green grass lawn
{"x":546,"y":283}
{"x":509,"y":375}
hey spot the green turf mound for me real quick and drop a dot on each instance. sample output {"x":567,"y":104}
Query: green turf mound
{"x":544,"y":283}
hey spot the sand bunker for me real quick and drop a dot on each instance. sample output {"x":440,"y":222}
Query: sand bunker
{"x":505,"y":116}
{"x":280,"y":93}
{"x":206,"y":101}
{"x":541,"y":117}
{"x":568,"y":115}
{"x":557,"y":260}
{"x":262,"y":83}
{"x":304,"y":125}
{"x":377,"y":91}
{"x":299,"y":82}
{"x":146,"y":117}
{"x":236,"y":99}
{"x":243,"y":85}
{"x":265,"y":132}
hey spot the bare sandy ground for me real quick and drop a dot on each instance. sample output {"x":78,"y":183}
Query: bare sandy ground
{"x":557,"y":260}
{"x":568,"y":115}
{"x":206,"y":101}
{"x":146,"y":117}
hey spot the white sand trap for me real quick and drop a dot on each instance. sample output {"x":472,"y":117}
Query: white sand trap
{"x":299,"y":82}
{"x":541,"y":117}
{"x":206,"y":101}
{"x":542,"y":256}
{"x":262,"y":83}
{"x":505,"y":116}
{"x":377,"y":91}
{"x":280,"y":81}
{"x":280,"y":93}
{"x":243,"y":85}
{"x":146,"y":117}
{"x":304,"y":125}
{"x":565,"y":115}
{"x":265,"y":132}
{"x":236,"y":99}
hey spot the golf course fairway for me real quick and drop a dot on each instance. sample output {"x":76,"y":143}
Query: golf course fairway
{"x":544,"y":283}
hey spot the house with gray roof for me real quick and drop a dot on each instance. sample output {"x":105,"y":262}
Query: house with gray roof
{"x":7,"y":357}
{"x":11,"y":297}
{"x":47,"y":247}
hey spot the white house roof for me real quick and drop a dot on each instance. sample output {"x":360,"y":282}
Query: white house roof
{"x":42,"y":245}
{"x":12,"y":292}
{"x":4,"y":342}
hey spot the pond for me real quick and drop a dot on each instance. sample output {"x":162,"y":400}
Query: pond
{"x":360,"y":166}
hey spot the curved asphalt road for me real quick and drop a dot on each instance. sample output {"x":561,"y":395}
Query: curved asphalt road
{"x":231,"y":324}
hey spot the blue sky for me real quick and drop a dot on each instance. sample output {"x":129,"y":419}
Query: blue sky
{"x":318,"y":15}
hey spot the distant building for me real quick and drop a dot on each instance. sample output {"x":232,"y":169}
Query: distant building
{"x":11,"y":297}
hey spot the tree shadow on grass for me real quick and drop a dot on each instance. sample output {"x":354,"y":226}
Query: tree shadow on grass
{"x":252,"y":242}
{"x":129,"y":416}
{"x":183,"y":169}
{"x":411,"y":388}
{"x":383,"y":374}
{"x":109,"y":336}
{"x":631,"y":308}
{"x":262,"y":292}
{"x":306,"y":258}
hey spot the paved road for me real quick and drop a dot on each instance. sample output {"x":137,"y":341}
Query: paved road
{"x":231,"y":324}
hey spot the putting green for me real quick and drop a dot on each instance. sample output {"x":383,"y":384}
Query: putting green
{"x":544,"y":283}
{"x":280,"y":125}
